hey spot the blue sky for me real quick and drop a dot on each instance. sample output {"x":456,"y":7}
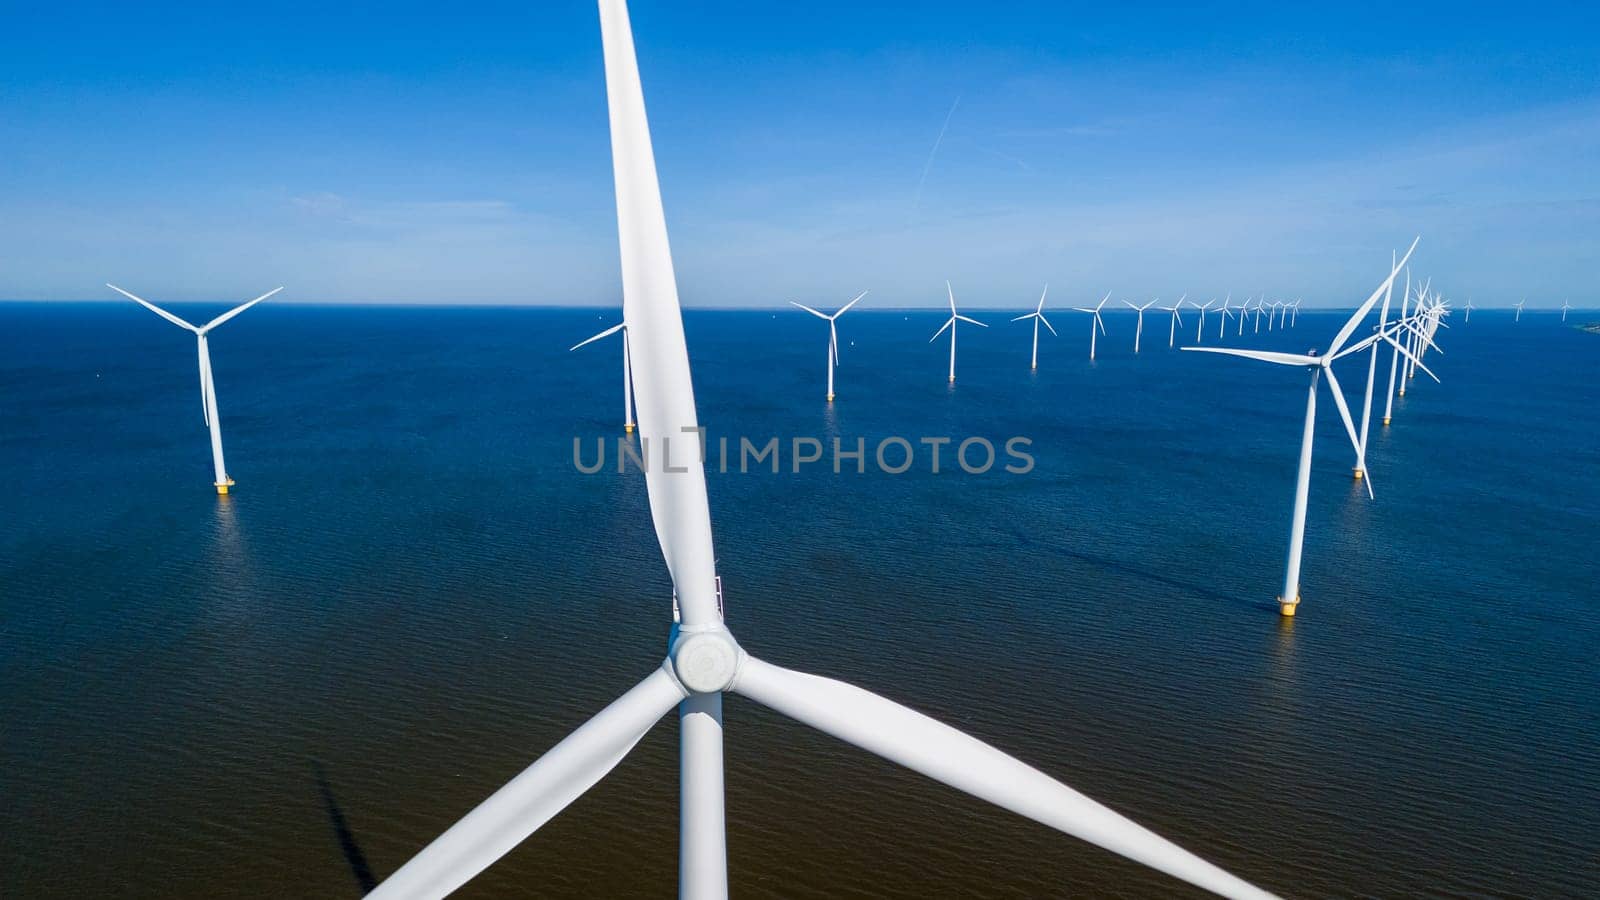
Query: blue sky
{"x":400,"y":153}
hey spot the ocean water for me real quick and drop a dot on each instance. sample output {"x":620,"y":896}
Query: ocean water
{"x":413,"y":592}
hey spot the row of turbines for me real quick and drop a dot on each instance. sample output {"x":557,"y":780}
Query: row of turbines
{"x":703,"y":660}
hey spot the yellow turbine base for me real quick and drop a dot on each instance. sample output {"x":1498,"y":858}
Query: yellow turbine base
{"x":1286,"y":609}
{"x":1402,"y":392}
{"x":830,"y":398}
{"x":1386,"y":421}
{"x":952,"y":378}
{"x":222,"y":487}
{"x":1359,"y":474}
{"x":628,"y":428}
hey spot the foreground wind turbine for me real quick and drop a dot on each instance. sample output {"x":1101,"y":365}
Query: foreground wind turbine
{"x":950,"y":323}
{"x":833,"y":335}
{"x":703,"y":660}
{"x":1565,"y":305}
{"x":1139,"y":328}
{"x":627,"y":372}
{"x":1519,"y":309}
{"x":1177,"y":319}
{"x":1037,"y":316}
{"x":1289,"y":600}
{"x":208,"y":388}
{"x":1096,"y":324}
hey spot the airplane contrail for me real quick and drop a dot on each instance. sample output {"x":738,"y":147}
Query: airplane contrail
{"x":916,"y":202}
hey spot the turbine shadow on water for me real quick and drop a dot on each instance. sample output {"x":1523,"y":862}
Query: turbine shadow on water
{"x":357,"y":860}
{"x":1124,"y":568}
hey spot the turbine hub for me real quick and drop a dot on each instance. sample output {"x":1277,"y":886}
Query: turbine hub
{"x":706,"y":661}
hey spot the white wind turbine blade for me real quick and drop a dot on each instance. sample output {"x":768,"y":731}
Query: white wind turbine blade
{"x":1129,"y":304}
{"x":845,"y":307}
{"x":607,"y":333}
{"x":1411,"y":356}
{"x":833,"y":341}
{"x":534,"y":797}
{"x":1102,"y":303}
{"x":1047,"y":324}
{"x":809,"y":310}
{"x":952,"y":292}
{"x":1412,"y":327}
{"x":1040,"y":307}
{"x":205,"y":383}
{"x":947,"y":323}
{"x":1361,"y":311}
{"x":911,"y":739}
{"x":237,"y":309}
{"x":663,"y":389}
{"x":1282,"y":359}
{"x":155,"y":309}
{"x":1025,"y":316}
{"x":971,"y":321}
{"x":1349,"y":424}
{"x":1100,"y":322}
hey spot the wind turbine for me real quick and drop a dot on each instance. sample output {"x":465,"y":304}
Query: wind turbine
{"x":1566,"y":304}
{"x":1519,"y":309}
{"x":703,"y":659}
{"x":627,"y":372}
{"x":1177,"y":319}
{"x":1394,"y":354}
{"x":1317,"y":366}
{"x":1273,"y":313}
{"x":1138,"y":329}
{"x":1200,"y":331}
{"x":833,"y":336}
{"x":1097,"y":323}
{"x":949,"y":323}
{"x":1468,"y":317}
{"x":1222,"y":324}
{"x":1037,"y":316}
{"x":208,"y":388}
{"x":1261,"y":305}
{"x":1244,"y":313}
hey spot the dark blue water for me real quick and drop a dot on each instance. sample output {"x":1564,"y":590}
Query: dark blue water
{"x":413,"y":593}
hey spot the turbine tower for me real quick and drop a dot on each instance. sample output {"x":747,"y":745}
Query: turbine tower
{"x":833,"y":335}
{"x":703,"y":659}
{"x":1138,"y":329}
{"x":950,"y":323}
{"x":208,"y":388}
{"x":627,"y":370}
{"x":1095,"y":323}
{"x":1037,"y":316}
{"x":1177,"y":319}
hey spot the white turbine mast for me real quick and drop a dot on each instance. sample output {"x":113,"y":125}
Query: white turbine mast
{"x":627,"y":370}
{"x":208,"y":387}
{"x":950,"y":323}
{"x":1138,"y":330}
{"x":703,"y":660}
{"x":1037,"y":316}
{"x":833,"y":334}
{"x":1095,"y":324}
{"x":1177,"y":319}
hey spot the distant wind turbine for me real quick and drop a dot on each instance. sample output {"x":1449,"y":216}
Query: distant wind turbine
{"x":1199,"y":331}
{"x":627,"y":373}
{"x":951,"y":324}
{"x":208,"y":388}
{"x":1244,"y":313}
{"x":1177,"y":319}
{"x":1138,"y":329}
{"x":1222,"y":324}
{"x":1037,"y":316}
{"x":1468,"y":317}
{"x":1519,"y":309}
{"x":1096,"y":323}
{"x":833,"y":335}
{"x":1565,"y":305}
{"x":1317,"y":366}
